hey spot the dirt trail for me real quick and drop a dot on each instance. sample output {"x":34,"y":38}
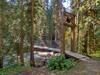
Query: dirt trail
{"x":91,"y":67}
{"x":86,"y":68}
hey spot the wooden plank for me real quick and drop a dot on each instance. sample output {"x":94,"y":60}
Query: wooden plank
{"x":46,"y":49}
{"x":70,"y":53}
{"x":77,"y":56}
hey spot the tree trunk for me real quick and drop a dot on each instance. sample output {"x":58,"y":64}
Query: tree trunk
{"x":73,"y":34}
{"x":62,"y":39}
{"x":62,"y":30}
{"x":78,"y":27}
{"x":1,"y":34}
{"x":85,"y":50}
{"x":32,"y":62}
{"x":21,"y":53}
{"x":1,"y":43}
{"x":1,"y":61}
{"x":94,"y":50}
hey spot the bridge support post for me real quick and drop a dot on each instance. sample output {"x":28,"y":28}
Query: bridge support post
{"x":73,"y":34}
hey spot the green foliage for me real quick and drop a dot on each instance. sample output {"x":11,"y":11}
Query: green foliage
{"x":88,"y":25}
{"x":96,"y":54}
{"x":12,"y":69}
{"x":60,"y":63}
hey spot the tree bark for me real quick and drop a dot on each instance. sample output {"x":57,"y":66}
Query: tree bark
{"x":32,"y":62}
{"x":85,"y":50}
{"x":78,"y":27}
{"x":21,"y":52}
{"x":62,"y":30}
{"x":1,"y":43}
{"x":62,"y":39}
{"x":73,"y":34}
{"x":1,"y":33}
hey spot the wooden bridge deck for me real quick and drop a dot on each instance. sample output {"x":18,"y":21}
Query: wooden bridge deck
{"x":77,"y":56}
{"x":69,"y":53}
{"x":46,"y":49}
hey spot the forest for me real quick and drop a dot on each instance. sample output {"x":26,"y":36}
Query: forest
{"x":49,"y":37}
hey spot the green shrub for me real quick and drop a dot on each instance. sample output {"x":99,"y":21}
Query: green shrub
{"x":11,"y":69}
{"x":60,"y":63}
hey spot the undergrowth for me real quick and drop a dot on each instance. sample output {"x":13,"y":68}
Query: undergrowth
{"x":60,"y":63}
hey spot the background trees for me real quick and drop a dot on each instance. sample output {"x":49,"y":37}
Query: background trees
{"x":24,"y":22}
{"x":87,"y":26}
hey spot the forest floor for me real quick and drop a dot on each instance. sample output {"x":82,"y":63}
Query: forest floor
{"x":91,"y":67}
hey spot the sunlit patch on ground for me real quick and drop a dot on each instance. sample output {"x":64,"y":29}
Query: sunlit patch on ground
{"x":96,"y":54}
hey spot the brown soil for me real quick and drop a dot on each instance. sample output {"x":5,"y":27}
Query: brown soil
{"x":82,"y":68}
